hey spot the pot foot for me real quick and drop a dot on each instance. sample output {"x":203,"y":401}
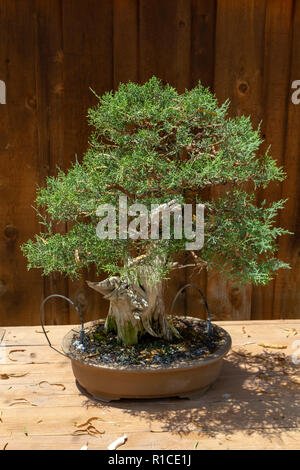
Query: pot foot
{"x":196,"y":394}
{"x":105,"y":398}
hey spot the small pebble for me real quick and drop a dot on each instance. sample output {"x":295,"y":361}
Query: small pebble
{"x":79,"y":345}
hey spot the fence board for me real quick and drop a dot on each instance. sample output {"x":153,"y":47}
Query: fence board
{"x":88,"y":62}
{"x":165,"y":29}
{"x":20,"y":163}
{"x":203,"y":23}
{"x":50,"y":88}
{"x":277,"y":51}
{"x":126,"y":44}
{"x":287,"y":293}
{"x":238,"y":76}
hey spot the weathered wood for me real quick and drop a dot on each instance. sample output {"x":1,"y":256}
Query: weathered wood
{"x":165,"y":41}
{"x":163,"y":417}
{"x":238,"y":76}
{"x":20,"y":163}
{"x":286,"y":294}
{"x":88,"y":63}
{"x":134,"y":309}
{"x":50,"y":89}
{"x":203,"y":23}
{"x":126,"y":42}
{"x":276,"y":78}
{"x":253,"y":405}
{"x":153,"y":441}
{"x":164,"y":51}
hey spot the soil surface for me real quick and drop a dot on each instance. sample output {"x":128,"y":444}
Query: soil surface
{"x":100,"y":348}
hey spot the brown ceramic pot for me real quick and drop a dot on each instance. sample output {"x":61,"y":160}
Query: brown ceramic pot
{"x":108,"y":383}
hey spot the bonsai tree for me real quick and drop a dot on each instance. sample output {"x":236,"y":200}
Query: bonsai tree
{"x":153,"y":146}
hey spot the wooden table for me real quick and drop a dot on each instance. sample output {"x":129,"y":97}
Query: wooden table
{"x":253,"y":405}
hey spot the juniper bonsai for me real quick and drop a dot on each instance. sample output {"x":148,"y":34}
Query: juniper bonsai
{"x":154,"y":146}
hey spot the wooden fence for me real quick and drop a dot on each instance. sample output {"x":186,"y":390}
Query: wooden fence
{"x":52,"y":51}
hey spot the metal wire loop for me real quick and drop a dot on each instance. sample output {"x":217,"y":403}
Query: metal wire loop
{"x":42,"y":319}
{"x":208,"y":320}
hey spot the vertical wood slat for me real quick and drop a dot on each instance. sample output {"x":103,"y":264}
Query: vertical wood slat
{"x":277,"y":56}
{"x":88,"y":63}
{"x":287,"y":292}
{"x":165,"y":41}
{"x":238,"y":76}
{"x":20,"y":291}
{"x":203,"y":17}
{"x":203,"y":23}
{"x":50,"y":128}
{"x":164,"y":51}
{"x":126,"y":41}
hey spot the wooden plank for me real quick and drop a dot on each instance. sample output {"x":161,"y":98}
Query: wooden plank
{"x":286,"y":294}
{"x":278,"y":41}
{"x":159,"y":418}
{"x":35,"y":373}
{"x":33,"y":336}
{"x":165,"y":29}
{"x":50,"y":88}
{"x":252,"y":405}
{"x":20,"y":163}
{"x":164,"y":51}
{"x":87,"y":40}
{"x":31,"y":355}
{"x":88,"y":62}
{"x":238,"y":76}
{"x":125,"y":58}
{"x":203,"y":19}
{"x":25,"y":336}
{"x":67,"y":418}
{"x":235,"y":382}
{"x":203,"y":23}
{"x":266,"y":440}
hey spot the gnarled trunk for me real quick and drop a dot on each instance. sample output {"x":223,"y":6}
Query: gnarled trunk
{"x":134,"y":309}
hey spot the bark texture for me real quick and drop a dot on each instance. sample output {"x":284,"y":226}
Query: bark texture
{"x":134,"y":309}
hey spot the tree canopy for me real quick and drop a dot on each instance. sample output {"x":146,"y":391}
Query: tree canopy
{"x":153,"y":145}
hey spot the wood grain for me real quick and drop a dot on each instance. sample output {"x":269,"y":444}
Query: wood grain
{"x":126,"y":41}
{"x":165,"y":29}
{"x":88,"y":63}
{"x":20,"y":163}
{"x":286,"y":294}
{"x":50,"y":92}
{"x":203,"y":24}
{"x":276,"y":82}
{"x":238,"y":76}
{"x":253,"y":405}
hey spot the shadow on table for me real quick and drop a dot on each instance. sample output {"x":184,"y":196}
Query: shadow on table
{"x":253,"y":393}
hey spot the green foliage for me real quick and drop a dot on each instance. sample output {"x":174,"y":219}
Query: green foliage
{"x":153,"y":145}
